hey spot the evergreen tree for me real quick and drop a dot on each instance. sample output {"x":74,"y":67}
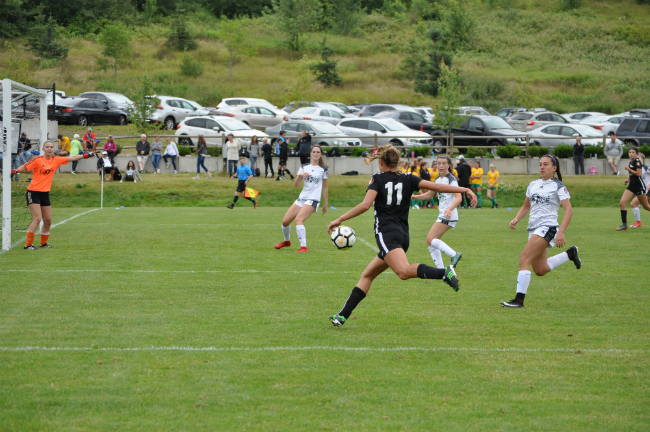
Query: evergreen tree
{"x":43,"y":41}
{"x":180,"y":38}
{"x":428,"y":70}
{"x":325,"y":70}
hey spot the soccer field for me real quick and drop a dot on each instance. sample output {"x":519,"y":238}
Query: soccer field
{"x":188,"y":319}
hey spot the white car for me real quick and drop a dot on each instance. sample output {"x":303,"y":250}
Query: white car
{"x":330,"y":115}
{"x":606,"y":125}
{"x":346,"y":109}
{"x":472,"y":110}
{"x":387,"y":130}
{"x":213,"y":128}
{"x":426,"y":112}
{"x":258,"y":117}
{"x":577,"y":117}
{"x":546,"y":136}
{"x":245,"y":101}
{"x":172,"y":110}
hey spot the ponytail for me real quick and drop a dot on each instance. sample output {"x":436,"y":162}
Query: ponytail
{"x":556,"y":163}
{"x":386,"y":153}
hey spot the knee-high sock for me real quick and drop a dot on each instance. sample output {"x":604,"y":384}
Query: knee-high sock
{"x":624,"y":216}
{"x":437,"y":257}
{"x":234,"y":201}
{"x":637,"y":214}
{"x":480,"y":199}
{"x":355,"y":298}
{"x":523,"y":280}
{"x":439,"y":244}
{"x":426,"y":272}
{"x":286,"y":232}
{"x":557,"y":260}
{"x":302,"y":235}
{"x":30,"y":238}
{"x":494,"y":202}
{"x":44,"y":238}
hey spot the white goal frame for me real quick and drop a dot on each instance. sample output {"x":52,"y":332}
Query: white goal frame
{"x":7,"y":87}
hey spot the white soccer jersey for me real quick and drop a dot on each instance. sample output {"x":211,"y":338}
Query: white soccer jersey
{"x":545,"y":198}
{"x":313,"y":186}
{"x":447,"y":199}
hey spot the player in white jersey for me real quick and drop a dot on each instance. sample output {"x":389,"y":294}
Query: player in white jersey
{"x":315,"y":176}
{"x":645,"y":176}
{"x":448,"y":216}
{"x":543,"y":198}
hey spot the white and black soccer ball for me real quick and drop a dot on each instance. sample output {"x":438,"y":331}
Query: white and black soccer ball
{"x":343,"y":237}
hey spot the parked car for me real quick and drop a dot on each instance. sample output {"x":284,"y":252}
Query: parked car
{"x":84,"y":112}
{"x":607,"y":125}
{"x":346,"y":109}
{"x":387,"y":131}
{"x":292,"y":106}
{"x":478,"y":126}
{"x":506,"y":113}
{"x":245,"y":101}
{"x":543,"y":136}
{"x":198,"y":106}
{"x":59,"y":94}
{"x":323,"y":133}
{"x":374,"y":109}
{"x":472,"y":110}
{"x":411,"y":119}
{"x":637,"y":112}
{"x":635,"y":130}
{"x":257,"y":116}
{"x":530,"y":120}
{"x":173,"y":110}
{"x":114,"y":100}
{"x":576,"y":117}
{"x":426,"y":112}
{"x":213,"y":128}
{"x":332,"y":116}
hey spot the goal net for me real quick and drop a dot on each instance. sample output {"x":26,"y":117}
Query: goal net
{"x":23,"y":109}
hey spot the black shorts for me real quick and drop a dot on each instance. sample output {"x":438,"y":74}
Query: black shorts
{"x":389,"y":240}
{"x":241,"y":186}
{"x":636,"y":187}
{"x":35,"y":197}
{"x":283,"y":161}
{"x":107,"y":170}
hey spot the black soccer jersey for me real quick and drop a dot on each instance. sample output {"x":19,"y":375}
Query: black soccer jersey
{"x":635,"y":165}
{"x":393,"y":200}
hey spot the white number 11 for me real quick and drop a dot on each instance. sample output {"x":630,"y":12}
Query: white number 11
{"x":389,"y":195}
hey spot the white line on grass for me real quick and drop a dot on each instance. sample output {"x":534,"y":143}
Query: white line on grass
{"x":168,"y":271}
{"x":332,"y":348}
{"x":370,"y":245}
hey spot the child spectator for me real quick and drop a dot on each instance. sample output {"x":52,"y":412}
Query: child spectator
{"x":131,"y":173}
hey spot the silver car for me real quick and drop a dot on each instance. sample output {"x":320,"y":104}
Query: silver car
{"x":343,"y":107}
{"x":328,"y":115}
{"x":387,"y":131}
{"x":577,"y":117}
{"x":245,"y":101}
{"x":323,"y":133}
{"x":214,"y":128}
{"x":547,"y":136}
{"x":173,"y":110}
{"x":531,"y":120}
{"x":257,"y":117}
{"x":606,"y":125}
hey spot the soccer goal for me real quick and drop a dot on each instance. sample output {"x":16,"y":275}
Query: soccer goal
{"x":23,"y":107}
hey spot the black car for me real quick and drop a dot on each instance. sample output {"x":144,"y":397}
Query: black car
{"x":635,"y":131}
{"x":496,"y":130}
{"x":412,"y":120}
{"x":113,"y":100}
{"x":84,"y":112}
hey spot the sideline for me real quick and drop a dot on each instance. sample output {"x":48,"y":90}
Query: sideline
{"x":171,"y":271}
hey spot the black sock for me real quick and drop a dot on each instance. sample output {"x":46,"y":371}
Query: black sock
{"x":235,"y":199}
{"x":520,"y":297}
{"x":287,"y":171}
{"x":250,"y":199}
{"x":426,"y":272}
{"x":624,"y":216}
{"x":355,"y":298}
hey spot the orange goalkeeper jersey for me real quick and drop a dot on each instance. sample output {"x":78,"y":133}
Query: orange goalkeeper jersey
{"x":43,"y":172}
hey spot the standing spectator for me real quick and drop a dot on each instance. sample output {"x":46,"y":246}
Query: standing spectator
{"x":267,"y":150}
{"x":233,"y":146}
{"x":110,"y":147}
{"x":171,"y":151}
{"x":614,"y":151}
{"x":90,"y":139}
{"x":278,"y":142}
{"x":131,"y":173}
{"x":464,"y":173}
{"x":106,"y":165}
{"x":142,"y":148}
{"x":254,"y":153}
{"x":15,"y":159}
{"x":304,"y":148}
{"x":156,"y":150}
{"x":579,"y":156}
{"x":284,"y":154}
{"x":75,"y":148}
{"x":25,"y":145}
{"x":201,"y":151}
{"x":64,"y":146}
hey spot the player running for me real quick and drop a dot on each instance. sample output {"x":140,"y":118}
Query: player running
{"x":635,"y":202}
{"x":315,"y":175}
{"x":544,"y":197}
{"x":448,"y":216}
{"x":635,"y":186}
{"x":38,"y":192}
{"x":391,"y":192}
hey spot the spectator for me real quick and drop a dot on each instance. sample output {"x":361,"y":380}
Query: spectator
{"x":90,"y":140}
{"x":464,"y":173}
{"x":201,"y":151}
{"x":267,"y":150}
{"x":171,"y":151}
{"x":279,"y":141}
{"x":142,"y":149}
{"x":75,"y":148}
{"x":15,"y":159}
{"x":110,"y":147}
{"x":614,"y":151}
{"x":254,"y":153}
{"x":284,"y":154}
{"x":26,"y":146}
{"x":233,"y":146}
{"x":156,"y":150}
{"x":579,"y":156}
{"x":106,"y":165}
{"x":64,"y":146}
{"x":131,"y":173}
{"x":304,"y":147}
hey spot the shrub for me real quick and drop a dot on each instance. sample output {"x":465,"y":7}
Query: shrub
{"x":191,"y":67}
{"x":645,"y":149}
{"x":563,"y":151}
{"x":568,"y":5}
{"x":214,"y":151}
{"x":594,"y":150}
{"x":119,"y":149}
{"x":537,"y":151}
{"x":508,"y":151}
{"x":424,"y":151}
{"x":184,"y":150}
{"x":474,"y":152}
{"x":356,"y":151}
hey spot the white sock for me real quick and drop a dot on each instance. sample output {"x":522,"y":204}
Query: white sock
{"x":523,"y":280}
{"x":286,"y":232}
{"x":442,"y":246}
{"x":302,"y":235}
{"x":437,"y":257}
{"x":558,"y":260}
{"x":637,"y":214}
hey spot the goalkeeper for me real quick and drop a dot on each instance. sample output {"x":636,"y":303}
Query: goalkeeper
{"x":38,"y":192}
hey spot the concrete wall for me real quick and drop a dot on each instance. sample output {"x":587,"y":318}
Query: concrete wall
{"x":33,"y":130}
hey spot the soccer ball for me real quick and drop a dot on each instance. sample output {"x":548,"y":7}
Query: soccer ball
{"x":343,"y":237}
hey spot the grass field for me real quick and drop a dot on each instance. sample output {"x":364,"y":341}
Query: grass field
{"x":186,"y":318}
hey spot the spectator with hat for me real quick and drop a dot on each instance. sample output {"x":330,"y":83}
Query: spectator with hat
{"x":106,"y":165}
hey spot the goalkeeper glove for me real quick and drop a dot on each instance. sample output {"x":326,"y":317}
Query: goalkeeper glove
{"x":14,"y":172}
{"x":87,"y":155}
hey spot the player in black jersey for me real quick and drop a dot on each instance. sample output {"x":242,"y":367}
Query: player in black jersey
{"x":391,"y":192}
{"x":635,"y":186}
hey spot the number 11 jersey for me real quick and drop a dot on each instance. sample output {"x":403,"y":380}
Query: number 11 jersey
{"x":393,"y":200}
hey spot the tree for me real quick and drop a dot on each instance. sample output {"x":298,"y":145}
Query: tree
{"x":450,"y":97}
{"x":428,"y":70}
{"x":295,"y":18}
{"x":325,"y":70}
{"x":180,"y":38}
{"x":345,"y":16}
{"x":43,"y":41}
{"x":234,"y":36}
{"x":191,"y":67}
{"x":19,"y":68}
{"x":150,"y":9}
{"x":144,"y":103}
{"x":115,"y":39}
{"x":459,"y":24}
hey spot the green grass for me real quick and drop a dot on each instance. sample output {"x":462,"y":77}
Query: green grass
{"x":120,"y":282}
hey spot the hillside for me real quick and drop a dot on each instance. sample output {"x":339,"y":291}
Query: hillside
{"x":591,"y":58}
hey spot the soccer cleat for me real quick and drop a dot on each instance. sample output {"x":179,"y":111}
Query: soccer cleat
{"x":282,"y":245}
{"x":256,"y":202}
{"x":498,"y":205}
{"x":622,"y":228}
{"x":302,"y":249}
{"x":514,"y":303}
{"x":291,"y":176}
{"x":230,"y":206}
{"x":456,"y":258}
{"x":572,"y":252}
{"x":337,"y":320}
{"x":30,"y":247}
{"x":277,"y":179}
{"x":450,"y":278}
{"x":47,"y":246}
{"x":636,"y":224}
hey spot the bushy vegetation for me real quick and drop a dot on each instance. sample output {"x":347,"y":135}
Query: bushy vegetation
{"x":594,"y":150}
{"x":537,"y":151}
{"x":563,"y":151}
{"x":509,"y":151}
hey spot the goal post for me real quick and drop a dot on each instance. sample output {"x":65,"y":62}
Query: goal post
{"x":10,"y":89}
